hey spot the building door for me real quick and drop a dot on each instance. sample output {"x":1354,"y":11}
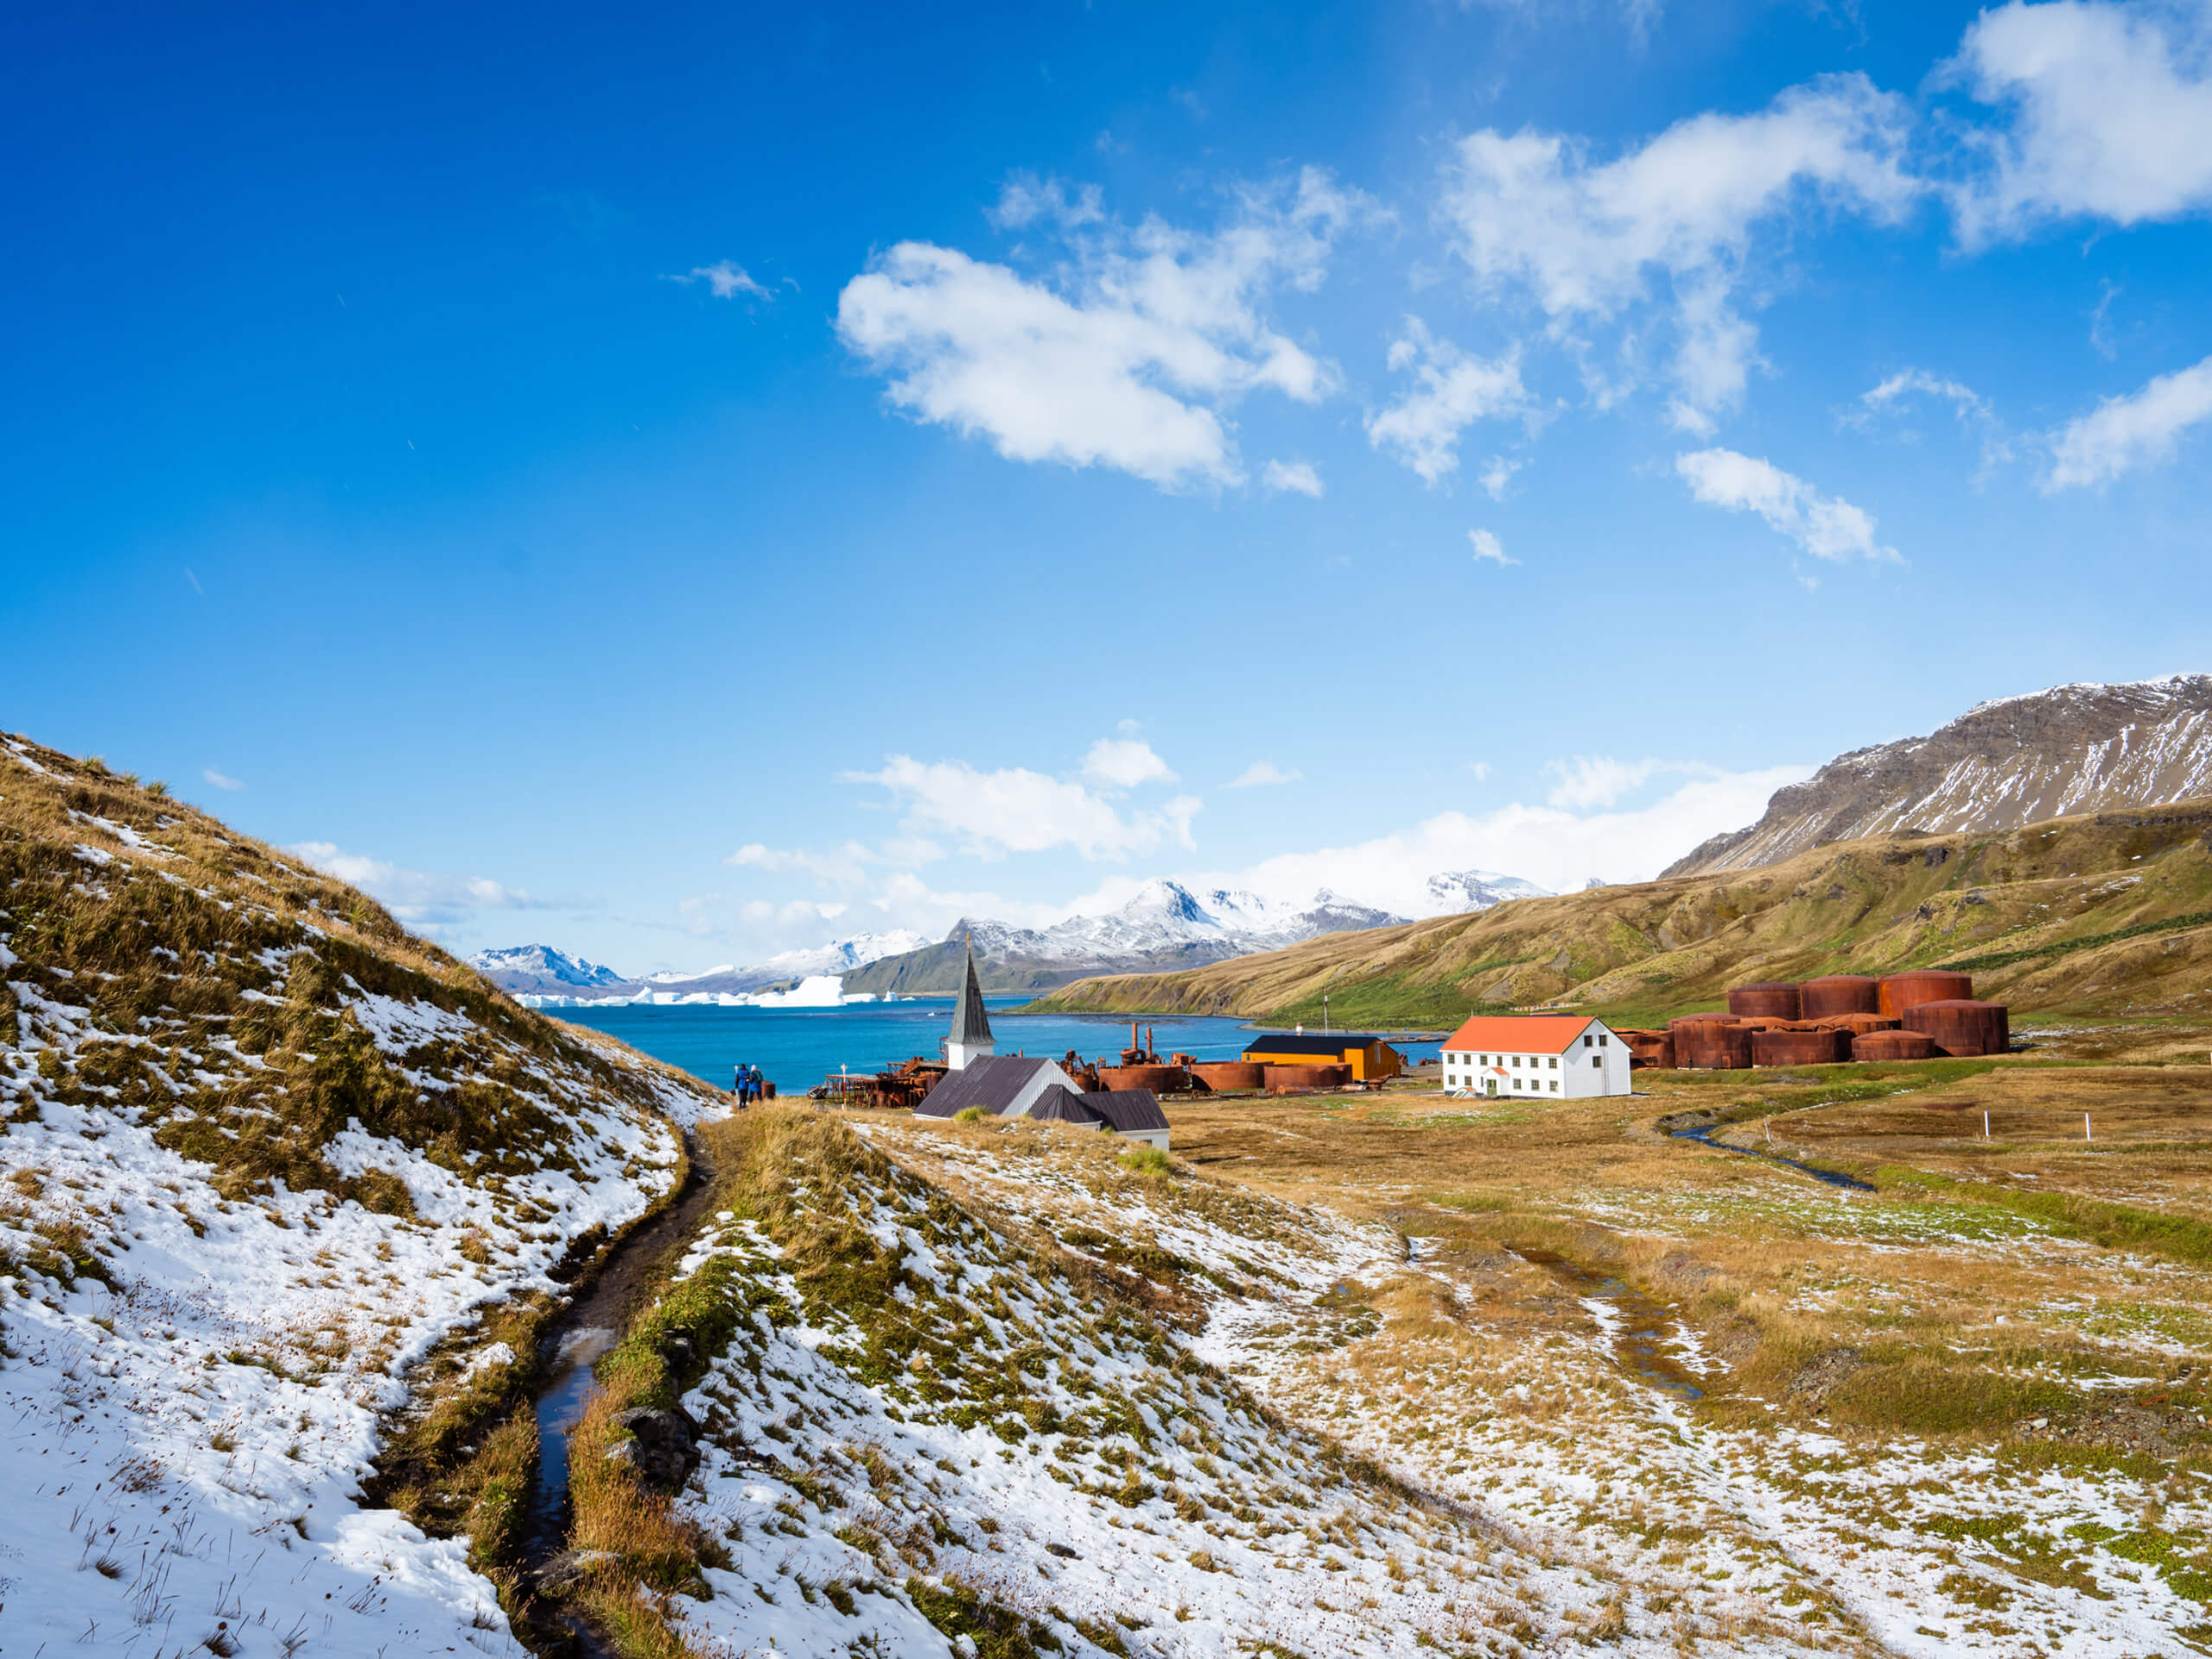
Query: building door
{"x":1493,"y":1085}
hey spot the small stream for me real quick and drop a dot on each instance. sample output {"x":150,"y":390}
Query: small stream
{"x":1703,"y":1134}
{"x":1637,"y":1324}
{"x":586,"y":1329}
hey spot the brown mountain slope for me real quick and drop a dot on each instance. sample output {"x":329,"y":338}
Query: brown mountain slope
{"x":2017,"y":760}
{"x":2110,"y":912}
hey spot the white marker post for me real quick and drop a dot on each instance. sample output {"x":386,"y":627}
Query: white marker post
{"x":2088,"y":1131}
{"x":1985,"y":1124}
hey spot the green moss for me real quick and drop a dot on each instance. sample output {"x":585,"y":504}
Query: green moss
{"x":997,"y":1630}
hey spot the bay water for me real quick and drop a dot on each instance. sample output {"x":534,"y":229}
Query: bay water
{"x":797,"y":1048}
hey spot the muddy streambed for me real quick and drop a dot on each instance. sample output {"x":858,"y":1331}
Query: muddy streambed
{"x":585,"y":1330}
{"x":1636,"y":1324}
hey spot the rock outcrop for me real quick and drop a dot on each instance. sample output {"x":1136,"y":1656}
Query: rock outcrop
{"x":2018,"y":760}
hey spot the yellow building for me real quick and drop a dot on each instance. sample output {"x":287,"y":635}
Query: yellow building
{"x":1371,"y":1059}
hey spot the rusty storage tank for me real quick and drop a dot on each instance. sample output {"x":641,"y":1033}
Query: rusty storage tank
{"x":1682,"y":1020}
{"x":1281,"y":1079}
{"x":1769,"y":998}
{"x":1798,"y":1047}
{"x":1222,"y":1075}
{"x":1835,"y":994}
{"x":1857,"y":1025}
{"x":1963,"y":1026}
{"x":1902,"y":991}
{"x":1711,"y":1045}
{"x":1160,"y":1079}
{"x":1648,"y":1048}
{"x":1893,"y":1046}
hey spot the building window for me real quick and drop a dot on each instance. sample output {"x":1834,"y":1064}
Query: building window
{"x":1601,"y":1041}
{"x":1555,"y":1061}
{"x":1554,"y":1086}
{"x":1598,"y":1060}
{"x":1585,"y":1041}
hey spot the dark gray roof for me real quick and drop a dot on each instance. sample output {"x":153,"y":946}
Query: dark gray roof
{"x":969,"y":1022}
{"x":1126,"y":1110}
{"x":1284,"y":1042}
{"x":1057,"y":1105}
{"x":991,"y":1083}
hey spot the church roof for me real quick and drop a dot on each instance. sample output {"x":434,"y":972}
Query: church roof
{"x":969,"y":1023}
{"x":992,"y":1082}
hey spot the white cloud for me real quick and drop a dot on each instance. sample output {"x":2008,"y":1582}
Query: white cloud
{"x":1827,"y":526}
{"x":2112,"y":115}
{"x":1599,"y":779}
{"x":1583,"y":239}
{"x":2122,"y":433}
{"x":1125,"y":762}
{"x":1497,"y":475}
{"x":1301,"y":477}
{"x":1263,"y":772}
{"x":1127,"y":358}
{"x":1481,"y":769}
{"x":423,"y":900}
{"x":1014,"y":810}
{"x":726,"y":281}
{"x":1554,"y":847}
{"x":1908,"y":383}
{"x":1026,"y":198}
{"x":1489,"y":548}
{"x":1452,"y":390}
{"x":220,"y":779}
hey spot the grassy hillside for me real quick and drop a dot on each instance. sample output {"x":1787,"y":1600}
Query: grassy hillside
{"x":278,"y":1183}
{"x":2108,"y":913}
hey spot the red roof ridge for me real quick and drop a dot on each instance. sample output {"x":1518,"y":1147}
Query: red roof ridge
{"x":1522,"y":1034}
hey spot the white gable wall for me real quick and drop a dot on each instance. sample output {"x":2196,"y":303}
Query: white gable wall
{"x":1595,"y":1063}
{"x":1033,"y":1091}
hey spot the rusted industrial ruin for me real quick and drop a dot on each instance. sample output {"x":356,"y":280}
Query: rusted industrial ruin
{"x":1919,"y":1015}
{"x":1139,"y":1065}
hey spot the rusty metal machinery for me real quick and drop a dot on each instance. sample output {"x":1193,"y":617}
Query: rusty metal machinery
{"x":1648,"y":1048}
{"x":1683,"y":1019}
{"x":1798,"y":1047}
{"x":1283,"y":1078}
{"x":1160,"y":1079}
{"x":1835,"y":994}
{"x":1712,"y":1045}
{"x":1220,"y":1075}
{"x":1901,"y":991}
{"x":1893,"y":1046}
{"x":1961,"y":1027}
{"x":1770,"y":999}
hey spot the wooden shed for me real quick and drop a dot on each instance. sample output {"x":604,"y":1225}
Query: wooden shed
{"x":1371,"y":1059}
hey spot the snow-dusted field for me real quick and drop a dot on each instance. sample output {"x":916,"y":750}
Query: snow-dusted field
{"x":196,"y":1362}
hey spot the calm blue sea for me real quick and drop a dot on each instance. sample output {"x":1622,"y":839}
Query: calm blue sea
{"x":796,"y":1048}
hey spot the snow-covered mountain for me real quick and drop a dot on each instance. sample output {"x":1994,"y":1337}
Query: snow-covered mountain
{"x":1456,"y":891}
{"x":1166,"y":926}
{"x":540,"y":977}
{"x":539,"y":969}
{"x":2015,"y":761}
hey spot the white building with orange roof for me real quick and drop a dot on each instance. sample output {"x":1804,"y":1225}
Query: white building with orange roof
{"x":1555,"y":1056}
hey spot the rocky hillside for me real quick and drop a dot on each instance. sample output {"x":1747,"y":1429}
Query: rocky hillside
{"x":278,"y":1183}
{"x":2106,"y":912}
{"x":2019,"y":761}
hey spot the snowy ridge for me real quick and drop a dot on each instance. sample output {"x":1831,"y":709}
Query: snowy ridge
{"x":2003,"y":764}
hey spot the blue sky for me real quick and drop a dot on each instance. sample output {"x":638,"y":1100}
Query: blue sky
{"x":684,"y":484}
